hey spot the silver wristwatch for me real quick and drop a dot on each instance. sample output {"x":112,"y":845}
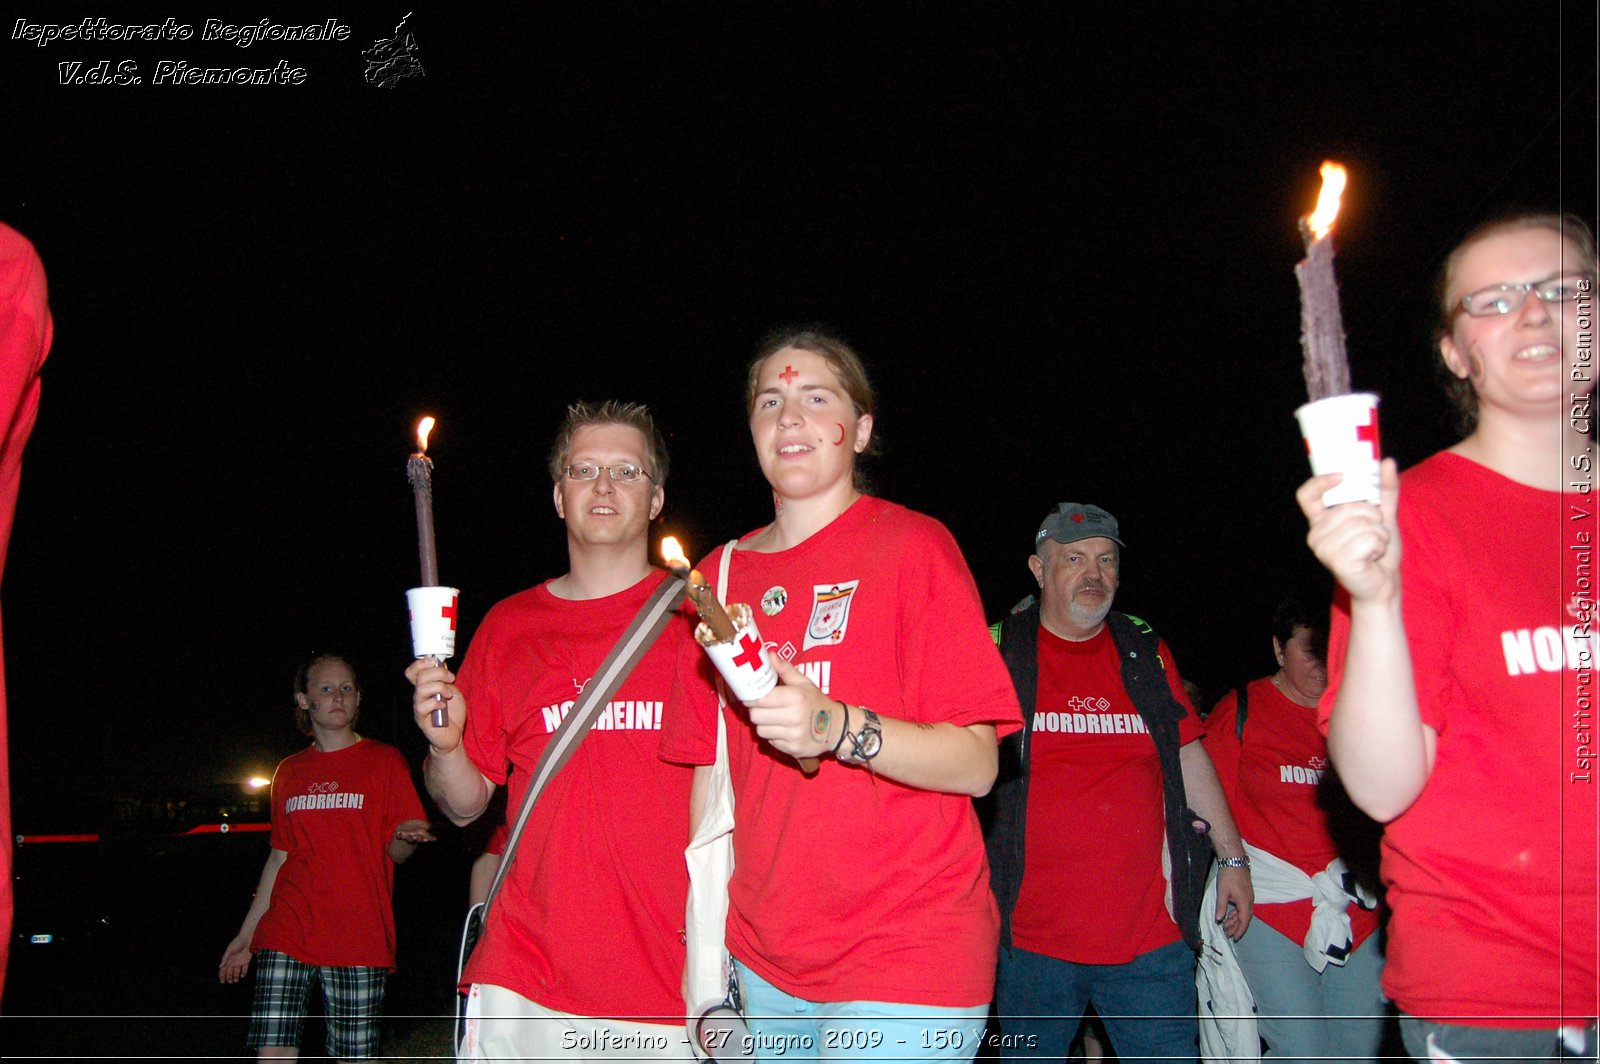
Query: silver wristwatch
{"x":865,"y":744}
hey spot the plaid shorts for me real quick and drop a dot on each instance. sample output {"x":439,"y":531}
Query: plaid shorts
{"x":352,"y":998}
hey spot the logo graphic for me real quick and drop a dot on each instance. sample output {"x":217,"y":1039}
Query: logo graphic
{"x":787,"y":651}
{"x":1368,"y":433}
{"x":390,"y":60}
{"x":774,"y":600}
{"x":749,"y":655}
{"x":830,"y":614}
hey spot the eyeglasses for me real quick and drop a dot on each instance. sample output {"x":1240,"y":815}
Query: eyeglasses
{"x":621,"y":473}
{"x":1505,"y":298}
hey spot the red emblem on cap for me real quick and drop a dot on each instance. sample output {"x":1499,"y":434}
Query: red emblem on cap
{"x":1077,"y":519}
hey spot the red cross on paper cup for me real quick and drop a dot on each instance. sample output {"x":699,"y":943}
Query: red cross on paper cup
{"x":1368,"y":433}
{"x":1341,"y":436}
{"x":744,"y":664}
{"x":433,"y":621}
{"x":749,"y":656}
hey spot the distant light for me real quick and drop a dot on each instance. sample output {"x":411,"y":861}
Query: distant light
{"x":258,"y":782}
{"x":41,"y":940}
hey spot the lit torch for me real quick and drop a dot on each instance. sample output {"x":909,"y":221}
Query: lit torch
{"x":713,"y":616}
{"x":729,"y":636}
{"x":1340,"y":427}
{"x":433,"y":608}
{"x":1327,"y":369}
{"x":419,"y":470}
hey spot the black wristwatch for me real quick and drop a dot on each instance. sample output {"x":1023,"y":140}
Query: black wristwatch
{"x":865,"y":744}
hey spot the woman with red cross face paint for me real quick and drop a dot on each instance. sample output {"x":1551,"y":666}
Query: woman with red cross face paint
{"x":860,"y":916}
{"x":1458,"y":712}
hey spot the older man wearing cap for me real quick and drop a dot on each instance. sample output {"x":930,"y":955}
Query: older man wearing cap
{"x":1103,"y":798}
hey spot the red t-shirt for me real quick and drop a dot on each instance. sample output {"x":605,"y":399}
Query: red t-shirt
{"x":334,"y":814}
{"x":1270,"y":781}
{"x":848,"y":886}
{"x":589,"y":919}
{"x":1092,"y":889}
{"x":1491,"y":872}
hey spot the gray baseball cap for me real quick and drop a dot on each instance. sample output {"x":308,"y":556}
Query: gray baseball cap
{"x":1072,"y":521}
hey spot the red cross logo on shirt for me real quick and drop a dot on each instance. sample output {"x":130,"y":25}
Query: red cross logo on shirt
{"x":449,"y":613}
{"x":789,"y":373}
{"x":1369,"y":432}
{"x":751,"y":652}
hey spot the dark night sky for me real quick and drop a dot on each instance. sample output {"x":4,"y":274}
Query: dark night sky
{"x":1062,"y":236}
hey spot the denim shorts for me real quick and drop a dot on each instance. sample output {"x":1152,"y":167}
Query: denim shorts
{"x":785,"y":1027}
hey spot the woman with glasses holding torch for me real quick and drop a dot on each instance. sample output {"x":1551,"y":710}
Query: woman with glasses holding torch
{"x":861,"y":922}
{"x":1461,"y":668}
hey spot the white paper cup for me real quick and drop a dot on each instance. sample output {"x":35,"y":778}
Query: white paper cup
{"x":743,"y":663}
{"x":1341,"y":434}
{"x":433,"y":621}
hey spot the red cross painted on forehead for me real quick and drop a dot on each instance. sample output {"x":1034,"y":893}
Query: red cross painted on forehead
{"x":749,"y":653}
{"x":1369,"y":432}
{"x":789,"y":373}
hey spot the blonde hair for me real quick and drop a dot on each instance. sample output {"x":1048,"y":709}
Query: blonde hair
{"x":611,"y":412}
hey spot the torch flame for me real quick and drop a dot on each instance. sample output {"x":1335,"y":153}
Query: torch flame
{"x":1333,"y":181}
{"x":672,"y":553}
{"x":424,"y":427}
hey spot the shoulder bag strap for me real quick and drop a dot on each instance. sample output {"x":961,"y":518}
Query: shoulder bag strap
{"x":651,"y":619}
{"x":721,"y":767}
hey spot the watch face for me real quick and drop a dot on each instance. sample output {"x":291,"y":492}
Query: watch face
{"x":871,"y":743}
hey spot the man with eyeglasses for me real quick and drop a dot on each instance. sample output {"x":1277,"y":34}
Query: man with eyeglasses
{"x":1106,"y":773}
{"x":582,"y":955}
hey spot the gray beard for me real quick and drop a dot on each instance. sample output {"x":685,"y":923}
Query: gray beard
{"x":1084,"y":617}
